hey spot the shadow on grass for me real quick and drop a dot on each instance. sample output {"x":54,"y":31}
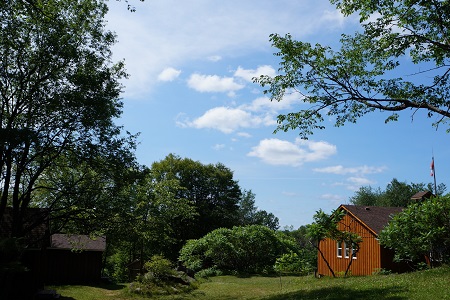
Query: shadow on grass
{"x":335,"y":293}
{"x":103,"y":285}
{"x":109,"y":286}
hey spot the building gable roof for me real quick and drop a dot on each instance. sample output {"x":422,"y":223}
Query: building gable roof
{"x":375,"y":218}
{"x":77,"y":242}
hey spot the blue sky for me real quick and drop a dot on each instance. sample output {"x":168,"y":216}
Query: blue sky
{"x":190,"y":93}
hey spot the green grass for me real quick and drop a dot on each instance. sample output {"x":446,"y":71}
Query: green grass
{"x":429,"y":284}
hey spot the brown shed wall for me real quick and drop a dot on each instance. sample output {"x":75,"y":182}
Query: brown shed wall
{"x":368,"y":258}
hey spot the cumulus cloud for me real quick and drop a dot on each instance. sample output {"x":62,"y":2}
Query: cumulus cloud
{"x":226,"y":120}
{"x":354,"y":183}
{"x":281,"y":152}
{"x":249,"y":74}
{"x":180,"y":32}
{"x":260,"y":112}
{"x":213,"y":83}
{"x":169,"y":74}
{"x":244,"y":134}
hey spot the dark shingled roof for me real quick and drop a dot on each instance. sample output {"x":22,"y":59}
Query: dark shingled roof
{"x":77,"y":242}
{"x":374,"y":217}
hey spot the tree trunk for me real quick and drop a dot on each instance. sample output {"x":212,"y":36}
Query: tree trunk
{"x":323,"y":257}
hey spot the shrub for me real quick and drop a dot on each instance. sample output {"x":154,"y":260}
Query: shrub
{"x":292,"y":263}
{"x":210,"y":272}
{"x":161,"y":279}
{"x":247,"y":249}
{"x":116,"y":267}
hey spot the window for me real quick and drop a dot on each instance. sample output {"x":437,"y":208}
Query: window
{"x":347,"y":250}
{"x":339,"y":249}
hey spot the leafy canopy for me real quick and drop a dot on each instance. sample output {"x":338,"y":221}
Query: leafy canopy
{"x":396,"y":194}
{"x":59,"y":94}
{"x":367,"y":73}
{"x":421,"y":230}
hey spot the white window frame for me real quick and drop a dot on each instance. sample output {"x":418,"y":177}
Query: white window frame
{"x":339,"y":249}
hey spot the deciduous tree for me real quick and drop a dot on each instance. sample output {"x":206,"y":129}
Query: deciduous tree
{"x":368,"y":72}
{"x":249,"y":214}
{"x":210,"y":188}
{"x":421,"y":230}
{"x":396,"y":194}
{"x":59,"y":92}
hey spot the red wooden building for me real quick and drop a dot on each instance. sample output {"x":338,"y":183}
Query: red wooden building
{"x":367,"y":222}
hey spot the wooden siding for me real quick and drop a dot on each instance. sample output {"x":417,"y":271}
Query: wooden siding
{"x":368,"y":258}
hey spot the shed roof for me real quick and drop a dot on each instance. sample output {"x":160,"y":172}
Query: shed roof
{"x":422,"y":195}
{"x":77,"y":242}
{"x":374,"y":217}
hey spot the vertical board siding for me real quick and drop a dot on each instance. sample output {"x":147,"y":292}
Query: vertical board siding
{"x":368,"y":258}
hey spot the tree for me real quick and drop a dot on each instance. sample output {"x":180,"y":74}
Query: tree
{"x":421,"y":230}
{"x":396,"y":194}
{"x":365,"y":74}
{"x":366,"y":195}
{"x":59,"y":93}
{"x":210,"y":188}
{"x":250,"y":215}
{"x":88,"y":197}
{"x":307,"y":252}
{"x":148,"y":223}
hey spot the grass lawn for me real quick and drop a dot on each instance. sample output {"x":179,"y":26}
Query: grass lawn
{"x":429,"y":284}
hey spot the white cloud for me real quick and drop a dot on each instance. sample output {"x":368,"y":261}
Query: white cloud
{"x":280,"y":152}
{"x":244,"y":134}
{"x":213,"y":83}
{"x":354,"y":183}
{"x":226,"y":120}
{"x":169,"y":32}
{"x":341,"y":170}
{"x":334,"y":17}
{"x":360,"y":181}
{"x":169,"y":74}
{"x":333,"y":197}
{"x":218,"y":146}
{"x":248,"y":75}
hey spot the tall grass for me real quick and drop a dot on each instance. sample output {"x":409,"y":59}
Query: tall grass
{"x":429,"y":284}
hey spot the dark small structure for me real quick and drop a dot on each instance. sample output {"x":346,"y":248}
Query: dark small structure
{"x":134,"y":269}
{"x":21,"y":281}
{"x":74,"y":259}
{"x":421,"y":196}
